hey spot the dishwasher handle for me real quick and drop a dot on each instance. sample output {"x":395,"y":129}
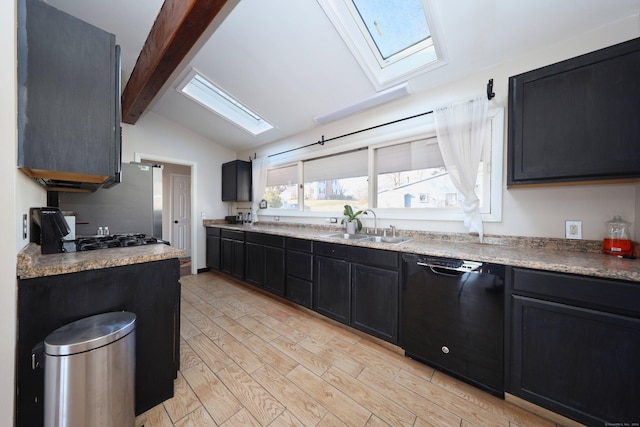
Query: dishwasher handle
{"x":464,"y":267}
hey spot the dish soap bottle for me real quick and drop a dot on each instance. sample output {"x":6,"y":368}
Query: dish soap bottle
{"x":617,"y":241}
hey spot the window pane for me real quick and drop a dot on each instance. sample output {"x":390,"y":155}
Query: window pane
{"x":332,"y":182}
{"x":282,"y":188}
{"x":412,"y":175}
{"x":393,"y":26}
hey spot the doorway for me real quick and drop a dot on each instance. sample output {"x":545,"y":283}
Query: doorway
{"x":177,"y":205}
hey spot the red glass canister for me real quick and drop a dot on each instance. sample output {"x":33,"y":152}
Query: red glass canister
{"x":617,"y":241}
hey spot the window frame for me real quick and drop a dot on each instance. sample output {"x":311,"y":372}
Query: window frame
{"x":491,"y":211}
{"x":397,"y":68}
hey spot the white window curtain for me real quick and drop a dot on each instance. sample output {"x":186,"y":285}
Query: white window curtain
{"x":460,"y":128}
{"x":258,"y":183}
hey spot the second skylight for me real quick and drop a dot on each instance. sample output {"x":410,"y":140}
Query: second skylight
{"x":199,"y":89}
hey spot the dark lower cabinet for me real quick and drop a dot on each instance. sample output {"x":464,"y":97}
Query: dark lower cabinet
{"x":374,"y":305}
{"x":213,"y":248}
{"x":299,"y":268}
{"x":359,"y":287}
{"x":575,"y":345}
{"x":232,"y":253}
{"x":332,"y":291}
{"x":150,"y":290}
{"x":265,"y":261}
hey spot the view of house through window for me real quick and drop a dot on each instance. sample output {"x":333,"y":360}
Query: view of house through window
{"x":412,"y":175}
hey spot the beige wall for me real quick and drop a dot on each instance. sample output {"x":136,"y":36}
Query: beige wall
{"x":157,"y":138}
{"x":8,"y":213}
{"x":537,"y":212}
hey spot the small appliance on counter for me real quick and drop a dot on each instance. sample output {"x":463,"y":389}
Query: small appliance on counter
{"x":48,"y":229}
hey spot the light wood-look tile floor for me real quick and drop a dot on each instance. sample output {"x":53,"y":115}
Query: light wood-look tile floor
{"x":248,"y":359}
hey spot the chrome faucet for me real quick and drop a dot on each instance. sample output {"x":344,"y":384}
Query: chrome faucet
{"x":393,"y":230}
{"x":375,"y":220}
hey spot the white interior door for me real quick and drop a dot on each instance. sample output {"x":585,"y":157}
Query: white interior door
{"x":181,"y":212}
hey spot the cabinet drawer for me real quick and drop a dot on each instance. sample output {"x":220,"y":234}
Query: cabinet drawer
{"x":300,"y":265}
{"x":300,"y":245}
{"x":603,"y":294}
{"x":233,"y":235}
{"x":373,"y":257}
{"x":213,"y":231}
{"x":299,"y":291}
{"x":265,"y":239}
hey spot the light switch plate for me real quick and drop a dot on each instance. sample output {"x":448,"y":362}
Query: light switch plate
{"x":573,"y":229}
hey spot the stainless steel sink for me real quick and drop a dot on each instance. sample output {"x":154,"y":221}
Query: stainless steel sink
{"x":368,"y":237}
{"x":388,"y":239}
{"x":347,"y":236}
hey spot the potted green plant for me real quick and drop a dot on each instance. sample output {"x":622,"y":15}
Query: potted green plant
{"x":351,"y":219}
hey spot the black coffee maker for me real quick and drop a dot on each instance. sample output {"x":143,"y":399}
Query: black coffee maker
{"x":48,"y":228}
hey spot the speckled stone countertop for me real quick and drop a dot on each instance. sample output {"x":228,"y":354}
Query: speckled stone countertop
{"x":559,"y":255}
{"x":31,"y":263}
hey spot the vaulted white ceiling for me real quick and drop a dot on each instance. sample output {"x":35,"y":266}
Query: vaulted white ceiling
{"x":285,"y":60}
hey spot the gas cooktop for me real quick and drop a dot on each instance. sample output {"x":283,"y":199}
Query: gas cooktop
{"x":115,"y":241}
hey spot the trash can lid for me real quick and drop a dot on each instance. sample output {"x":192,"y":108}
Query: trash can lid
{"x":89,"y":333}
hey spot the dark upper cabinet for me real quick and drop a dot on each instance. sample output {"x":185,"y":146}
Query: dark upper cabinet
{"x":576,"y":120}
{"x":572,"y":343}
{"x":68,"y":100}
{"x":236,"y":181}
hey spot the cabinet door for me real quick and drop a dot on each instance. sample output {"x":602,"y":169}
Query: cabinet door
{"x":236,"y":181}
{"x":274,"y":270}
{"x":68,"y":96}
{"x":332,"y":291}
{"x":213,"y":252}
{"x":374,"y":307}
{"x":255,"y":268}
{"x":299,"y":291}
{"x":237,"y":268}
{"x":578,"y":362}
{"x":226,"y":255}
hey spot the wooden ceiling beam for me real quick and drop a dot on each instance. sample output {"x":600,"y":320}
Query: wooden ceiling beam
{"x":179,"y":25}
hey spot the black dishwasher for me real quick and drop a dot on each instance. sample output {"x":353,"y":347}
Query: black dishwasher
{"x":452,"y":317}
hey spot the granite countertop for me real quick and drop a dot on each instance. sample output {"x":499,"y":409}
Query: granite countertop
{"x":559,"y":255}
{"x":31,"y":263}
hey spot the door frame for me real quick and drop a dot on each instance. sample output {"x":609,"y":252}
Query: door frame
{"x":194,"y":182}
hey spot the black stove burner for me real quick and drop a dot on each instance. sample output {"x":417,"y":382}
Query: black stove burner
{"x":115,"y":241}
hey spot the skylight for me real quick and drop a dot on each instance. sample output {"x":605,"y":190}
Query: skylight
{"x":392,"y":41}
{"x":393,"y":26}
{"x":199,"y":89}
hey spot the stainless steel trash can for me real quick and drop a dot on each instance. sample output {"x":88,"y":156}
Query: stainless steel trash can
{"x":89,"y":372}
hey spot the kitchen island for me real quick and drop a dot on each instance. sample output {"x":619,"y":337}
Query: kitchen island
{"x":57,"y":289}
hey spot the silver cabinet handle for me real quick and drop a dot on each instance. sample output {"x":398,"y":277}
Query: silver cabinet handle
{"x":445,"y":349}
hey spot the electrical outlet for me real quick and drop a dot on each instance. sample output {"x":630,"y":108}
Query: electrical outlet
{"x":573,"y":229}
